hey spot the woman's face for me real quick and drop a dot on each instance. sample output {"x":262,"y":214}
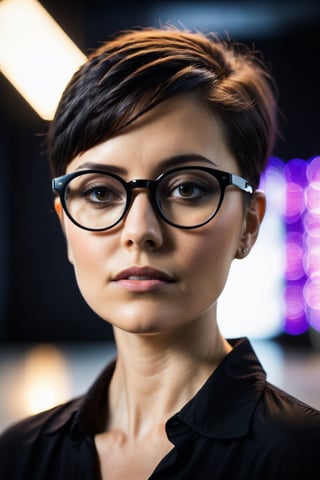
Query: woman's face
{"x":143,"y":275}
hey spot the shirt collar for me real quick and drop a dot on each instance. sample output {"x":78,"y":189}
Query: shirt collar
{"x":222,"y":408}
{"x":224,"y":405}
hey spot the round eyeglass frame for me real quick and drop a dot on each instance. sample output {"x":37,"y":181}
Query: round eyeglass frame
{"x":59,"y":186}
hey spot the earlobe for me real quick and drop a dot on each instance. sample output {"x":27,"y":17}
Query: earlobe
{"x":254,"y":215}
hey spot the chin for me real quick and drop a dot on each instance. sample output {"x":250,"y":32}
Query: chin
{"x":139,"y":328}
{"x":141,"y":317}
{"x":141,"y":324}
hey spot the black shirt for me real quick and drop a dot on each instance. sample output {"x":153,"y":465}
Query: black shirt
{"x":238,"y":426}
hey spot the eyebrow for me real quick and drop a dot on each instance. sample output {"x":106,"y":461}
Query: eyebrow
{"x":163,"y":164}
{"x":103,"y":167}
{"x":186,"y":158}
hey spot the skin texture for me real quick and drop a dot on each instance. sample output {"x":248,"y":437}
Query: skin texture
{"x":166,"y":331}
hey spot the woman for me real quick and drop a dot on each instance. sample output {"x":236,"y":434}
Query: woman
{"x":156,"y":150}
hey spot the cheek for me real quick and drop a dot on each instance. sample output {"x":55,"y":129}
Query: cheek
{"x":84,"y":253}
{"x":88,"y":254}
{"x":218,"y":241}
{"x":211,"y":250}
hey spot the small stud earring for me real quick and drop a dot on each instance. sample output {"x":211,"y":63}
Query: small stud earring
{"x":245,"y":251}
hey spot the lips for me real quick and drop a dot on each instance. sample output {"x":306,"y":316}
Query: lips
{"x":143,"y":274}
{"x":140,"y":280}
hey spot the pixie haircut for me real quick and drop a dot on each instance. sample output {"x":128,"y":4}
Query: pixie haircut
{"x":137,"y":69}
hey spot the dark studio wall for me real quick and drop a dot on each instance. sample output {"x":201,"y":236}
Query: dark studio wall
{"x":39,"y":297}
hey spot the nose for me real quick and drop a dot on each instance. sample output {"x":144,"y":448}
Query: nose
{"x":141,"y":227}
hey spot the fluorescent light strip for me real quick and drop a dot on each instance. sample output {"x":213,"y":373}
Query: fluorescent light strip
{"x":36,"y":55}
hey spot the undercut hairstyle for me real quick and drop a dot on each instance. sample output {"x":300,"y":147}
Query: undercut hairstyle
{"x":136,"y":69}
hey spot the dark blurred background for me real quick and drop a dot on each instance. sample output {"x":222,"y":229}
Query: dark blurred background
{"x":39,"y":298}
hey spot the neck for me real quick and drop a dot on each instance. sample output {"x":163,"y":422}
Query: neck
{"x":156,"y":375}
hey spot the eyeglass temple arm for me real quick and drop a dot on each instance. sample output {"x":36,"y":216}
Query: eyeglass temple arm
{"x":241,"y":183}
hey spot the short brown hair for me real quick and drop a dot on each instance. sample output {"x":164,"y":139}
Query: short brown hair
{"x":137,"y":69}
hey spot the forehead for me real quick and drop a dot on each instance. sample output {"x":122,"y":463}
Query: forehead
{"x":179,"y":126}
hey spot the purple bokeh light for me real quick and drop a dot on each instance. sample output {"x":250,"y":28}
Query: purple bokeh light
{"x":301,"y":218}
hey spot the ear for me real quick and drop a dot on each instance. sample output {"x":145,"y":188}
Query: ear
{"x":59,"y":211}
{"x":254,"y":214}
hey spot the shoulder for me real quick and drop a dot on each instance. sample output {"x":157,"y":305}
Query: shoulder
{"x":287,"y":429}
{"x":278,"y":403}
{"x":32,"y":438}
{"x":42,"y":423}
{"x":46,"y":445}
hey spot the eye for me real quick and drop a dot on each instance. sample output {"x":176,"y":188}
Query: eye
{"x":190,"y":187}
{"x":194,"y":188}
{"x":97,"y":191}
{"x":99,"y":194}
{"x":188,"y":190}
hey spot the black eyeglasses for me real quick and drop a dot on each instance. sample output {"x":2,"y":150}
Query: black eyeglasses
{"x":186,"y":197}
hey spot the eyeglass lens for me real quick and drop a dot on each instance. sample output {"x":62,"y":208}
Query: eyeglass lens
{"x":185,"y":198}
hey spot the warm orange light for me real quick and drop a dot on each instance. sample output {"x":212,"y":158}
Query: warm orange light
{"x":45,"y":381}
